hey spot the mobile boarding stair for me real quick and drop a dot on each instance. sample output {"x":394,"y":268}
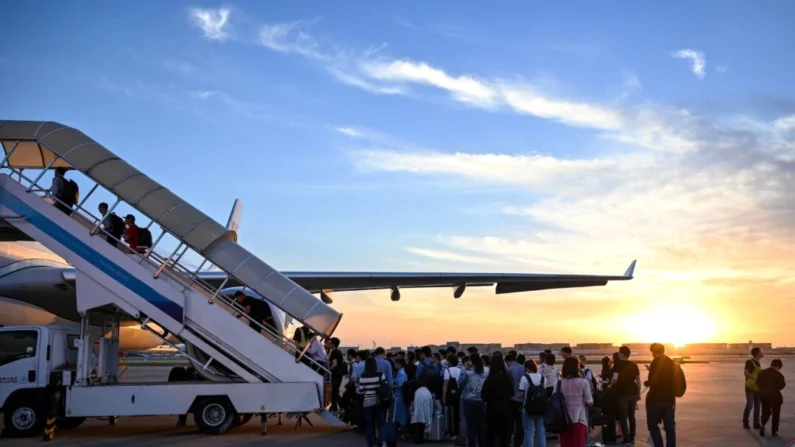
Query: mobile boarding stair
{"x":160,"y":290}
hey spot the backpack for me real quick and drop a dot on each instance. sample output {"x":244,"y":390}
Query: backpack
{"x":144,"y":238}
{"x":556,"y":417}
{"x":679,"y":381}
{"x":431,"y":379}
{"x":70,"y":194}
{"x":453,"y":396}
{"x":593,"y":378}
{"x":115,"y":225}
{"x":535,"y":398}
{"x":384,"y":393}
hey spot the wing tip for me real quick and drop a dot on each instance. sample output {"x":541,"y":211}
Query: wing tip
{"x":631,"y":270}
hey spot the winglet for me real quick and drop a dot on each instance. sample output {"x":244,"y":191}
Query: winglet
{"x":232,"y":225}
{"x":631,"y":270}
{"x":234,"y":217}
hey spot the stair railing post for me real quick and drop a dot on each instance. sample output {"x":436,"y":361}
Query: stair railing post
{"x":41,"y":174}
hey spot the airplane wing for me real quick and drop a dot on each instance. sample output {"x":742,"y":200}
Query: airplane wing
{"x":327,"y":282}
{"x":317,"y":282}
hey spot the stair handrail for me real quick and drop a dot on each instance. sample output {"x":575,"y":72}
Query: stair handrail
{"x":151,"y":257}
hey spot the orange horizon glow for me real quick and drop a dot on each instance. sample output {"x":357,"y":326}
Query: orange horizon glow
{"x":609,"y":315}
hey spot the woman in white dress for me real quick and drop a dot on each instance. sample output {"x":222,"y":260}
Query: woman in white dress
{"x":421,"y":412}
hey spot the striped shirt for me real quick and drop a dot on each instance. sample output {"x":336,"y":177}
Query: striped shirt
{"x":368,"y":388}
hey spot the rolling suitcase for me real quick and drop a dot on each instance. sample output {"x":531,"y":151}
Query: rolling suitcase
{"x":608,"y":423}
{"x":390,"y":428}
{"x":437,"y":427}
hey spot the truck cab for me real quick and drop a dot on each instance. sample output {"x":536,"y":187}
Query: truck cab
{"x":28,"y":356}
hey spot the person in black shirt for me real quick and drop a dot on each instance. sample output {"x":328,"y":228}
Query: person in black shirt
{"x":660,"y":401}
{"x":337,"y":368}
{"x":257,"y":310}
{"x":626,"y":381}
{"x":112,"y":224}
{"x":752,"y":401}
{"x":771,"y":382}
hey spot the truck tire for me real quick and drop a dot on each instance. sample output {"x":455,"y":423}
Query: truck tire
{"x":69,"y":423}
{"x":23,"y":418}
{"x":214,"y":415}
{"x":178,"y":374}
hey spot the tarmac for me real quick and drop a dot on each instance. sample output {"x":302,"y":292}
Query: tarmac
{"x":709,"y":415}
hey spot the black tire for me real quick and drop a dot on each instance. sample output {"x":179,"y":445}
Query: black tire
{"x":23,"y":418}
{"x":214,"y":415}
{"x":242,"y":419}
{"x":69,"y":423}
{"x":178,"y":374}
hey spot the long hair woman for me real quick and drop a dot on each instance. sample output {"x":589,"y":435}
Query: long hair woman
{"x":471,"y":386}
{"x":497,"y":394}
{"x":578,"y":398}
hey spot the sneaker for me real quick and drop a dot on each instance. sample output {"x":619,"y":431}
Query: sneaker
{"x":746,"y":426}
{"x":762,"y":432}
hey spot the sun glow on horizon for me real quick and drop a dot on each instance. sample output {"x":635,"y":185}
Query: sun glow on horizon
{"x":676,"y":323}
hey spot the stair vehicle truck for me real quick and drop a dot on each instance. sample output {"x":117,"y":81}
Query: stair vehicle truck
{"x":245,"y":367}
{"x":49,"y":367}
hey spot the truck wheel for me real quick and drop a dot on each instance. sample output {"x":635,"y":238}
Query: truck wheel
{"x":23,"y":419}
{"x":69,"y":423}
{"x":214,"y":415}
{"x":242,"y":419}
{"x":178,"y":374}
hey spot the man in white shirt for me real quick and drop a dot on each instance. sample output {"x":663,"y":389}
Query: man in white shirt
{"x":534,"y":429}
{"x":317,"y":353}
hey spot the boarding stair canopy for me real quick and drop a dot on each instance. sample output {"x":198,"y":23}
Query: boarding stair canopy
{"x":49,"y":145}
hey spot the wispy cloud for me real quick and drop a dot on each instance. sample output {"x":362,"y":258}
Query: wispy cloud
{"x":527,"y":100}
{"x":291,"y":37}
{"x":463,"y":88}
{"x":722,"y":68}
{"x":405,"y":23}
{"x":723,"y":208}
{"x":374,"y":71}
{"x":538,"y":171}
{"x":449,"y":256}
{"x":350,"y":131}
{"x":214,"y":23}
{"x":244,"y":108}
{"x":698,"y":63}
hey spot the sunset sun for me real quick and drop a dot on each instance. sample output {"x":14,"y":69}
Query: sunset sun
{"x":676,"y":323}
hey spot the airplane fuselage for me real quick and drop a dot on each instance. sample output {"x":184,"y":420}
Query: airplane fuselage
{"x":33,"y":291}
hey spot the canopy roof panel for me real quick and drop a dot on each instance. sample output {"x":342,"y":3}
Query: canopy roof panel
{"x":37,"y":141}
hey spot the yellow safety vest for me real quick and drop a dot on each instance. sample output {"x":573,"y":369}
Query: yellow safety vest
{"x":750,"y":382}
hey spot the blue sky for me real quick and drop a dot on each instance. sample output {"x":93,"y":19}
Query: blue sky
{"x":437,"y":136}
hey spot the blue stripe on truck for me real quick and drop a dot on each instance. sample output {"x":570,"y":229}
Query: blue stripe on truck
{"x":92,"y":256}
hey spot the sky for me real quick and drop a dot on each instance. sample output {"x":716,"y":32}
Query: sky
{"x":519,"y":137}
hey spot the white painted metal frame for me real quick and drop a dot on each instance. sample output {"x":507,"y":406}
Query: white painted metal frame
{"x":186,"y":277}
{"x":221,"y":331}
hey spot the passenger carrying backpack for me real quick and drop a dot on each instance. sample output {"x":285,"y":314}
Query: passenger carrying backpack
{"x":453,"y":396}
{"x":432,"y":380}
{"x":70,"y":193}
{"x":144,"y":238}
{"x":557,"y":417}
{"x":679,"y":381}
{"x":115,"y":225}
{"x":384,"y":393}
{"x":535,"y":398}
